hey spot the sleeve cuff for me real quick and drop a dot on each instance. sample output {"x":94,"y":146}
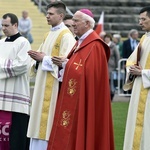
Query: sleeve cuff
{"x":47,"y":64}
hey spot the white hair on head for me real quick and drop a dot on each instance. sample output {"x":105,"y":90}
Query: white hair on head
{"x":88,"y":18}
{"x":118,"y":36}
{"x":132,"y":31}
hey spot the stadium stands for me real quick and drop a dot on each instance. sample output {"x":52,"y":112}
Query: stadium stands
{"x":40,"y":26}
{"x":120,"y":15}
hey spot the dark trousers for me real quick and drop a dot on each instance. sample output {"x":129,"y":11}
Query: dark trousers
{"x":18,"y":132}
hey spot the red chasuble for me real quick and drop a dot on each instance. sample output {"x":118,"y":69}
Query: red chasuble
{"x":83,"y":119}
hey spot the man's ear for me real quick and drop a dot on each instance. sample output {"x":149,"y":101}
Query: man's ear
{"x":62,"y":16}
{"x":87,"y":23}
{"x":16,"y":25}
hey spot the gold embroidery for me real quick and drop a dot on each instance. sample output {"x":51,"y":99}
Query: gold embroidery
{"x":78,"y":64}
{"x":65,"y":118}
{"x":140,"y":113}
{"x":72,"y":87}
{"x":48,"y":90}
{"x":57,"y":46}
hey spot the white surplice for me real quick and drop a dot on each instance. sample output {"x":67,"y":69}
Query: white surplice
{"x":14,"y":75}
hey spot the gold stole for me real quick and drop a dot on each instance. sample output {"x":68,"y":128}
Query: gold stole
{"x":140,"y":113}
{"x":48,"y":90}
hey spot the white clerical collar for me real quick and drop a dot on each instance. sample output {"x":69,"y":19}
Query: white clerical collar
{"x":57,"y":27}
{"x":84,"y":36}
{"x":147,"y":34}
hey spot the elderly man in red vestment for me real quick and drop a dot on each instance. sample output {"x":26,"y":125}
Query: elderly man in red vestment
{"x":83,"y":118}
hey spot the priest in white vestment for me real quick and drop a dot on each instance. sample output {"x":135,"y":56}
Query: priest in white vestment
{"x":137,"y":133}
{"x":58,"y":42}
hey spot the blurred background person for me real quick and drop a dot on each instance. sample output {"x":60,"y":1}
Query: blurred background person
{"x":112,"y":63}
{"x":130,"y":44}
{"x":25,"y":25}
{"x":117,"y":40}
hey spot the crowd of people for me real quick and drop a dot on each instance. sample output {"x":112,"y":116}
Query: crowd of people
{"x":71,"y":104}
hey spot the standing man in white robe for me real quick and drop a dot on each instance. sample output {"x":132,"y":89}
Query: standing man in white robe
{"x":137,"y":132}
{"x":14,"y":86}
{"x":58,"y":42}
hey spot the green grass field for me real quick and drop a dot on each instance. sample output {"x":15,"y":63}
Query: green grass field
{"x":119,"y":110}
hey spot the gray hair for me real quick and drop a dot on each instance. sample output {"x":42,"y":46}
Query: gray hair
{"x":132,"y":31}
{"x":88,"y":18}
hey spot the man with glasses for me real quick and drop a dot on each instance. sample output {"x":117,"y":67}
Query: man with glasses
{"x":14,"y":86}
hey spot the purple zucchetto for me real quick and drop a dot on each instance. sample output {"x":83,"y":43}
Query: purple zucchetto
{"x":87,"y":12}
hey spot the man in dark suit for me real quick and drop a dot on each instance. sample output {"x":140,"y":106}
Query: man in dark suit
{"x":128,"y":47}
{"x":130,"y":44}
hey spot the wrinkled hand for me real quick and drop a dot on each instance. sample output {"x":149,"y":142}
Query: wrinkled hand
{"x":38,"y":56}
{"x":135,"y":70}
{"x":58,"y":60}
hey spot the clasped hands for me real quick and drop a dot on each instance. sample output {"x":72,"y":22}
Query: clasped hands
{"x":135,"y":70}
{"x":38,"y":56}
{"x":58,"y":60}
